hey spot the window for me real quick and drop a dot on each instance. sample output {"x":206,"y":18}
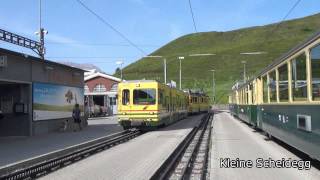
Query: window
{"x":283,"y":83}
{"x":252,"y":94}
{"x":247,"y":95}
{"x":144,"y":96}
{"x":315,"y":70}
{"x":125,"y":97}
{"x":299,"y":78}
{"x":265,"y":89}
{"x":273,"y":86}
{"x":195,"y":100}
{"x":304,"y":122}
{"x":99,"y":88}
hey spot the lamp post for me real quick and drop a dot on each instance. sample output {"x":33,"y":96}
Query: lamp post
{"x":120,"y":63}
{"x":164,"y":66}
{"x":213,"y":86}
{"x":180,"y":58}
{"x":244,"y":70}
{"x":244,"y":62}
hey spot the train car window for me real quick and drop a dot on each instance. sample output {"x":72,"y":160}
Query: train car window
{"x":144,"y":96}
{"x":273,"y":86}
{"x":247,"y":95}
{"x":283,"y":83}
{"x":252,"y":94}
{"x":265,"y":89}
{"x":315,"y":70}
{"x":299,"y":78}
{"x":125,"y":97}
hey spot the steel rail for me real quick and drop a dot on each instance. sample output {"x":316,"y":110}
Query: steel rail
{"x":168,"y":168}
{"x":199,"y":164}
{"x":50,"y":162}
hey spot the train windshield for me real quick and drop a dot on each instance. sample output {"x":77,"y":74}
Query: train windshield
{"x":144,"y":96}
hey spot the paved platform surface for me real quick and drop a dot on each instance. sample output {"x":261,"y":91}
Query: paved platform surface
{"x":21,"y":148}
{"x":138,"y":158}
{"x":233,"y":139}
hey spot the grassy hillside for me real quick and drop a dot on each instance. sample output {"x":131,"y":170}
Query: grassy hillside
{"x":227,"y":62}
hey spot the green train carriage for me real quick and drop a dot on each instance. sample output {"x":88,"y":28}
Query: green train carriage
{"x":284,"y":99}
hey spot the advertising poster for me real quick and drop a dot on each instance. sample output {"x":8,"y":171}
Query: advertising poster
{"x":55,"y":101}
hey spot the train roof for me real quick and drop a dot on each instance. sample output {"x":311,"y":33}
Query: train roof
{"x":195,"y":92}
{"x":291,"y":52}
{"x":279,"y":60}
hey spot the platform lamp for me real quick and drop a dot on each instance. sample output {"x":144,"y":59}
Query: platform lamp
{"x":245,"y":62}
{"x":180,"y":58}
{"x":244,"y":70}
{"x":213,"y":86}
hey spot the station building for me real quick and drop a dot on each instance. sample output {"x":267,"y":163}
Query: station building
{"x":37,"y":96}
{"x":100,"y":93}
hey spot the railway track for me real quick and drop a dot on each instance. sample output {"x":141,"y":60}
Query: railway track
{"x":42,"y":165}
{"x":189,"y":160}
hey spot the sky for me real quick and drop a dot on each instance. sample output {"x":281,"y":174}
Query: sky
{"x":77,"y":36}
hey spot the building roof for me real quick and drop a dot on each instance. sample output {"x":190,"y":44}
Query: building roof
{"x":33,"y":58}
{"x":99,"y":74}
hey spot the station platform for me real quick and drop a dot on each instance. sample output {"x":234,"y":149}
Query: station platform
{"x":17,"y":149}
{"x":232,"y":138}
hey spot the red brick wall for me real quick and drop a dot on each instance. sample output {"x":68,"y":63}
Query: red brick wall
{"x":91,"y":83}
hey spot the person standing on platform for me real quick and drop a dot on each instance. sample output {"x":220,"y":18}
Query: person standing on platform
{"x":76,"y":116}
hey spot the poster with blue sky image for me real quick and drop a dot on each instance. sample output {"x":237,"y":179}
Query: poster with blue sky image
{"x":54,"y":101}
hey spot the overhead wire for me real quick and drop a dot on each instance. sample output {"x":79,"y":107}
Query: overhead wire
{"x":99,"y":44}
{"x":192,"y":15}
{"x":283,"y":19}
{"x":111,"y":27}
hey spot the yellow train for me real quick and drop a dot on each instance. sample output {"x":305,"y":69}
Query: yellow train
{"x":150,"y":104}
{"x":198,"y":102}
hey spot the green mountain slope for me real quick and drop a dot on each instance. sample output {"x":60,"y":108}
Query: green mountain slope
{"x":227,"y":62}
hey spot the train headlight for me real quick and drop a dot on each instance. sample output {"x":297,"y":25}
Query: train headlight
{"x":124,"y":113}
{"x":151,"y":112}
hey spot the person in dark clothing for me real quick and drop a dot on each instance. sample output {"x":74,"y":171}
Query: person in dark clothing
{"x":76,"y":115}
{"x":1,"y":115}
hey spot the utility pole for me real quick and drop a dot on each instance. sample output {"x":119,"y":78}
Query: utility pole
{"x":180,"y":58}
